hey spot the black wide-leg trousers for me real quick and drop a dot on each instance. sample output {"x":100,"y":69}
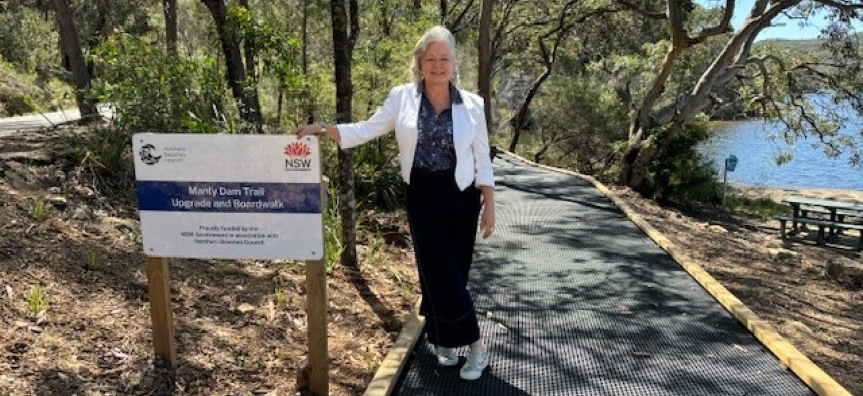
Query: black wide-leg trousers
{"x":443,"y":223}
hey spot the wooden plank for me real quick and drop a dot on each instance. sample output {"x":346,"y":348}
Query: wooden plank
{"x":820,"y":222}
{"x":316,"y":312}
{"x":158,"y":288}
{"x":394,"y":363}
{"x":827,"y":203}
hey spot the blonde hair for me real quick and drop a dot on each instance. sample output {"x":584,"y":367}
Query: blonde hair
{"x":435,"y":34}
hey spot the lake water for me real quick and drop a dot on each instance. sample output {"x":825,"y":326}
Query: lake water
{"x":756,"y":152}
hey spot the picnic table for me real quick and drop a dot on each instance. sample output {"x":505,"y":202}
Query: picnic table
{"x":824,"y":213}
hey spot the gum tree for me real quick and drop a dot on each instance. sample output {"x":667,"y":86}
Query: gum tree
{"x":781,"y":90}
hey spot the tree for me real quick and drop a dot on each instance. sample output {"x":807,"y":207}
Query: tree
{"x":484,"y":75}
{"x":661,"y":110}
{"x":169,"y":7}
{"x":245,"y":94}
{"x":73,"y":59}
{"x":459,"y":15}
{"x":344,"y":39}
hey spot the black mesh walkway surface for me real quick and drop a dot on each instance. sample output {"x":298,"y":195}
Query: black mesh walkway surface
{"x":574,"y":299}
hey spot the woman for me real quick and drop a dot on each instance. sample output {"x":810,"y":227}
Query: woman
{"x":444,"y":153}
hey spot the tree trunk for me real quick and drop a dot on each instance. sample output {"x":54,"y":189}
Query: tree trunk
{"x":484,"y":74}
{"x":249,"y":51}
{"x":342,"y":48}
{"x":73,"y":58}
{"x":250,"y":108}
{"x":169,"y":7}
{"x":634,"y":165}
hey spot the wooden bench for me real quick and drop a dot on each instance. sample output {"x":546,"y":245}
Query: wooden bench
{"x":822,"y":224}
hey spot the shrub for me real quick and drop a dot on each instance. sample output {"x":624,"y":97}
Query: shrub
{"x":154,"y":92}
{"x":679,"y":173}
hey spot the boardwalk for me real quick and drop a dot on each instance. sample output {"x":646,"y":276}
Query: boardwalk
{"x":574,"y":299}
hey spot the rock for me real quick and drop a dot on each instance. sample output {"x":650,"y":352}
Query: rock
{"x":845,"y":271}
{"x":717,"y":228}
{"x":82,"y":212}
{"x":782,"y":254}
{"x":54,"y":190}
{"x":58,"y":201}
{"x":795,"y":329}
{"x":245,"y":308}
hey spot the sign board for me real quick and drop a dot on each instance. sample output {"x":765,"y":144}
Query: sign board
{"x":731,"y":163}
{"x":229,"y":196}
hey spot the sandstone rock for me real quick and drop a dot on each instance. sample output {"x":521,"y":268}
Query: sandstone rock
{"x":245,"y":308}
{"x":717,"y":228}
{"x":782,"y":254}
{"x":82,"y":213}
{"x":58,"y":201}
{"x":845,"y":271}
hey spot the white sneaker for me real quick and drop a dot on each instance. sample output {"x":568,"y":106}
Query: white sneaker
{"x":477,"y":361}
{"x":446,"y":356}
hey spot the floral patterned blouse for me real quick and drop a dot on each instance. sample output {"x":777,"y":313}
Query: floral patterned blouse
{"x":435,"y":150}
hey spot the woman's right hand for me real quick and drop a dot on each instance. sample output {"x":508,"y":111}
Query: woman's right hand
{"x":328,"y":131}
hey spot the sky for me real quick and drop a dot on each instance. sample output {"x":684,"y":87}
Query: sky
{"x":786,"y":29}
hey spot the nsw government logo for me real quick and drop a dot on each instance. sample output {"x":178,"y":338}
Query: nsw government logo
{"x":298,"y":157}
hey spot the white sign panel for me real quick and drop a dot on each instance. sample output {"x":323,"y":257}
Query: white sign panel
{"x":229,"y":196}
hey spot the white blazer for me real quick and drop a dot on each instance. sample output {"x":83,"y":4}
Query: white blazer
{"x":400,"y":112}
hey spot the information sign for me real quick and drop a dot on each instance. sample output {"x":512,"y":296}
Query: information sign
{"x":229,"y":196}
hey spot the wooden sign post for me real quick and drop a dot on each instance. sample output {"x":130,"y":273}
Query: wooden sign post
{"x":159,"y":290}
{"x":316,"y":312}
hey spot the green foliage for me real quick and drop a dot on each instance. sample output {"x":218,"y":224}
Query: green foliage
{"x":22,"y":93}
{"x":91,"y":261}
{"x":153,"y":92}
{"x":27,"y":39}
{"x":39,"y":211}
{"x":333,"y":232}
{"x":575,"y":123}
{"x":279,"y":53}
{"x":279,"y":296}
{"x":38,"y":302}
{"x":679,"y":173}
{"x":104,"y":154}
{"x":761,"y":207}
{"x":378,"y":180}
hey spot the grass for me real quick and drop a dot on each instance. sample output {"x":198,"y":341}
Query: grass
{"x":280,"y":297}
{"x":38,"y":301}
{"x":39,"y":211}
{"x":92,"y":261}
{"x":761,"y":207}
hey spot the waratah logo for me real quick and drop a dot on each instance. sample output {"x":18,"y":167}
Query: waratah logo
{"x":297,"y":150}
{"x":298,"y":160}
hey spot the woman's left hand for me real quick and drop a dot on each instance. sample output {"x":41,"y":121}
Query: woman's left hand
{"x":486,"y":221}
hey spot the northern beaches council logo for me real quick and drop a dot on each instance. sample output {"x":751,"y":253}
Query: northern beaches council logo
{"x":147,"y":154}
{"x":298,"y":157}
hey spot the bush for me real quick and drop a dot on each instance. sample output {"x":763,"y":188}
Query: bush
{"x":153,"y":92}
{"x":679,"y":173}
{"x":575,"y":124}
{"x":103,"y":154}
{"x":27,"y":39}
